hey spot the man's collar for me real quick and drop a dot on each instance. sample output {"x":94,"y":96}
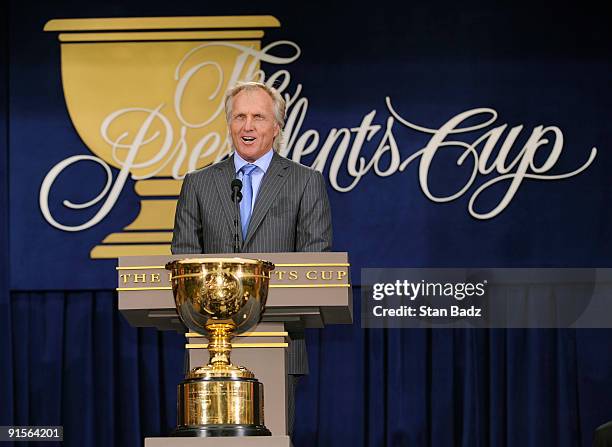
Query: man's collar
{"x":262,"y":162}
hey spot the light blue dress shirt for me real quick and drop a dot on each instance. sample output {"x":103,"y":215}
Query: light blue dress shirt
{"x":263,"y":163}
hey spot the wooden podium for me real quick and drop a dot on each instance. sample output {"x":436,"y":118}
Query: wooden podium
{"x":307,"y":290}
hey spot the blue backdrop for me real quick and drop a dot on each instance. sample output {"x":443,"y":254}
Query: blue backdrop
{"x":67,"y":357}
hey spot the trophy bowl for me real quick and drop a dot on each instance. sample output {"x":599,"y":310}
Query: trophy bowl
{"x":219,"y":291}
{"x":219,"y":298}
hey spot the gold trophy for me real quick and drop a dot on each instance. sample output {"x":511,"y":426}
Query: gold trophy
{"x":220,"y":298}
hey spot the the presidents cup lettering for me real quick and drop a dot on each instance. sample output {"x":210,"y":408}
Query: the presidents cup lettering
{"x":283,"y":274}
{"x":325,"y":275}
{"x":143,"y":278}
{"x":306,"y":276}
{"x":155,"y":143}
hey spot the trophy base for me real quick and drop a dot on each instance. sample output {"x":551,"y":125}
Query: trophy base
{"x":220,"y":406}
{"x":222,"y":430}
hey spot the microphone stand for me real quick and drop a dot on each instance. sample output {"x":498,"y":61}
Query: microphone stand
{"x":236,"y":198}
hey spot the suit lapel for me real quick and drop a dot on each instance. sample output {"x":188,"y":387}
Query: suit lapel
{"x":275,"y":178}
{"x":224,"y":173}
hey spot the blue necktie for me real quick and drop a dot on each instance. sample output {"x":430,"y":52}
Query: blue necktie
{"x":246,"y":203}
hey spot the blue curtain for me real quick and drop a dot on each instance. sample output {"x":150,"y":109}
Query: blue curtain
{"x":73,"y":360}
{"x":79,"y":364}
{"x":455,"y":387}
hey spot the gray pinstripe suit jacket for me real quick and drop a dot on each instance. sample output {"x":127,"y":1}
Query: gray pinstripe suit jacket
{"x":291,"y":213}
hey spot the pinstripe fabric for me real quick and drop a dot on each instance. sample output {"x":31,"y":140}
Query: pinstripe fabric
{"x":291,"y":213}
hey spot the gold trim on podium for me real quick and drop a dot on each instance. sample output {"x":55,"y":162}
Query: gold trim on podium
{"x":274,"y":286}
{"x":246,"y":334}
{"x":239,"y":345}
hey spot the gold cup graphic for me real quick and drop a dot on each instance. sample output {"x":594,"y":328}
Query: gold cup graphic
{"x":145,"y":95}
{"x":220,"y":298}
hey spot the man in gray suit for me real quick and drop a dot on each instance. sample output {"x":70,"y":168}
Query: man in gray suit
{"x":284,"y":206}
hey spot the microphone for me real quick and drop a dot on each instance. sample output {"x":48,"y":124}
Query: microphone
{"x":236,"y":190}
{"x":236,"y":186}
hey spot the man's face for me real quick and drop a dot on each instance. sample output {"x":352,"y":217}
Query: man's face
{"x":252,"y":124}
